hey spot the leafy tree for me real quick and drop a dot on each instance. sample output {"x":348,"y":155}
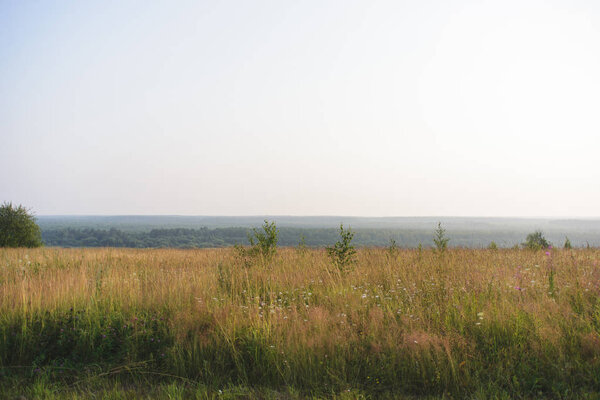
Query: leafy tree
{"x":493,"y":246}
{"x":18,"y":227}
{"x":342,"y":253}
{"x":536,"y":241}
{"x":567,"y":243}
{"x":440,"y":239}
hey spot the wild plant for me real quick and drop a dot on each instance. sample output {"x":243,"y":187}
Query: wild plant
{"x":302,"y":247}
{"x":536,"y":241}
{"x":440,"y":239}
{"x":263,"y":245}
{"x":343,"y":253}
{"x":392,"y":249}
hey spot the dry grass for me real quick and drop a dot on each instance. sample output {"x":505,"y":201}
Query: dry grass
{"x":417,"y":322}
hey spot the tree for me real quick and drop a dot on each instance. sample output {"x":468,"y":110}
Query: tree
{"x":342,"y":252}
{"x":18,"y":227}
{"x":440,"y":239}
{"x":567,"y":243}
{"x":536,"y":241}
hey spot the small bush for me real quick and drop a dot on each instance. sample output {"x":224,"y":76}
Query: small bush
{"x":392,"y":248}
{"x":440,"y":239}
{"x":263,"y":245}
{"x":302,"y":247}
{"x":536,"y":241}
{"x":342,"y":253}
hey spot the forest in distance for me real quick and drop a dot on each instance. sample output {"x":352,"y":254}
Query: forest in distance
{"x":208,"y":232}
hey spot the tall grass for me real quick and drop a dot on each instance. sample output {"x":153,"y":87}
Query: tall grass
{"x":462,"y":322}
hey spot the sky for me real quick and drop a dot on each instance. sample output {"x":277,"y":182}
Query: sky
{"x":357,"y":108}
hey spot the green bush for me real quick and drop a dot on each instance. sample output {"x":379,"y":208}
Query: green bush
{"x":342,"y":253}
{"x":440,"y":239}
{"x":263,"y":245}
{"x":536,"y":241}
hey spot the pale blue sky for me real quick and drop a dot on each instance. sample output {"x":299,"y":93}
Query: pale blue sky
{"x":375,"y":108}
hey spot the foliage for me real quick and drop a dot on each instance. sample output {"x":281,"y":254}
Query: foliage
{"x":536,"y":241}
{"x":342,"y":253}
{"x":493,"y":246}
{"x":567,"y":243}
{"x":263,"y":245}
{"x":439,"y":239}
{"x":18,"y":227}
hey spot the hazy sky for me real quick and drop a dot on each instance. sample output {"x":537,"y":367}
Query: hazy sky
{"x":378,"y":108}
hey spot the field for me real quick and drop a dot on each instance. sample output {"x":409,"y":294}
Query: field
{"x":124,"y":323}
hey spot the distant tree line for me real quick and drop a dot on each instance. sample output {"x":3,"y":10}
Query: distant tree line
{"x":287,"y":236}
{"x":219,"y":237}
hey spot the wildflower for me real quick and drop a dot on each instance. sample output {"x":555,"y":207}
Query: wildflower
{"x":547,"y":253}
{"x":518,"y":288}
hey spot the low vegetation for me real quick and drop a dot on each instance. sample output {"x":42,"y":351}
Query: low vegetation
{"x":193,"y":323}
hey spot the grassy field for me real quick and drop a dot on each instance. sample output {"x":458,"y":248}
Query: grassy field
{"x":122,"y":323}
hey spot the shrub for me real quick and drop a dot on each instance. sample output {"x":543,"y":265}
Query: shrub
{"x":392,"y":248}
{"x":493,"y":246}
{"x":18,"y":227}
{"x":342,"y":253}
{"x":440,"y":239}
{"x":302,"y":247}
{"x":567,"y":243}
{"x":263,"y":245}
{"x":536,"y":241}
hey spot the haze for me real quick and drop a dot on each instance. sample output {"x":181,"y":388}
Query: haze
{"x":373,"y":108}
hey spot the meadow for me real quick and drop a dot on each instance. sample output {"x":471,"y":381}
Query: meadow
{"x":165,"y":323}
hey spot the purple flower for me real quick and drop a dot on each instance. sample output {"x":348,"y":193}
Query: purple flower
{"x":547,"y":253}
{"x":518,"y":288}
